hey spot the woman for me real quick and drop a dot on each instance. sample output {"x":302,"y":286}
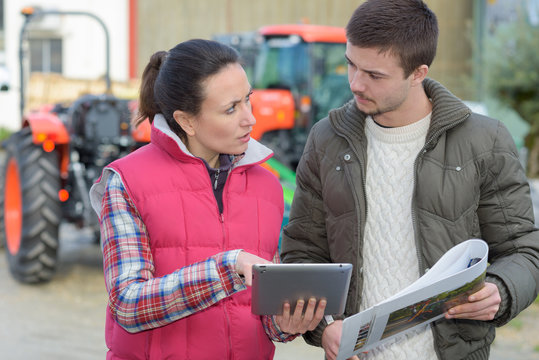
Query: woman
{"x":184,"y":218}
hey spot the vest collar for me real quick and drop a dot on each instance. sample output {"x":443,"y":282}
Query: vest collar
{"x":165,"y":138}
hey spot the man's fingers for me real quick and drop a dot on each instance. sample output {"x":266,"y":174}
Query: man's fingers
{"x":331,"y":354}
{"x":488,"y":292}
{"x":482,"y":305}
{"x":482,"y":314}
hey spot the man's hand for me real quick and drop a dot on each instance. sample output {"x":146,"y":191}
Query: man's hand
{"x":331,"y":340}
{"x":244,"y":265}
{"x":482,"y":305}
{"x":300,"y":323}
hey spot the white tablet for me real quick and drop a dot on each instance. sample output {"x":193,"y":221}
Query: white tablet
{"x":273,"y":284}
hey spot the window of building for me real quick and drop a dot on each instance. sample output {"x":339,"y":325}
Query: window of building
{"x":2,"y":15}
{"x":46,"y":55}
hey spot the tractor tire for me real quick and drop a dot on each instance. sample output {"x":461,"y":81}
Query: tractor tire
{"x":30,"y":209}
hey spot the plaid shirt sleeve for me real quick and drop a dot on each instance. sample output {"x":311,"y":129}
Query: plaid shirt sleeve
{"x":270,"y":326}
{"x":138,"y":300}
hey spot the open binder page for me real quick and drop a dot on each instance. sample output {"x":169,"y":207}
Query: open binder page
{"x":457,"y":274}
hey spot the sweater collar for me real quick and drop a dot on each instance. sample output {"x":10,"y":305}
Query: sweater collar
{"x":447,"y":111}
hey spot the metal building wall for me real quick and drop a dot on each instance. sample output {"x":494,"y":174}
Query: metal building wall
{"x":164,"y":23}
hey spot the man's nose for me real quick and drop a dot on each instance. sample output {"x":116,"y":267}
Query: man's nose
{"x":357,"y":82}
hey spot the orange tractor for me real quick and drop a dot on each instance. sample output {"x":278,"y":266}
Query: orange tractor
{"x":50,"y":164}
{"x":298,"y":75}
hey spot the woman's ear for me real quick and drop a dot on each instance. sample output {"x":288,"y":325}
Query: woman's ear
{"x":186,"y":122}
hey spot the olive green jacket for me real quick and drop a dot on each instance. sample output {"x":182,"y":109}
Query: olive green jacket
{"x":469,"y":183}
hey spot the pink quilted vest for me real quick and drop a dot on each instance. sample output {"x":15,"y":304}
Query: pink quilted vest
{"x":172,"y":192}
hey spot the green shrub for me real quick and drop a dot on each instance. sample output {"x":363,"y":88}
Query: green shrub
{"x":512,"y":67}
{"x":511,"y":74}
{"x":4,"y":133}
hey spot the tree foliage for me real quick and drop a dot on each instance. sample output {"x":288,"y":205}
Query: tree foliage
{"x":511,"y":74}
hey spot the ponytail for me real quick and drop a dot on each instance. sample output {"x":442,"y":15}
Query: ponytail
{"x":148,"y":107}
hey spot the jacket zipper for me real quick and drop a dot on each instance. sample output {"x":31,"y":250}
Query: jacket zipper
{"x":358,"y":271}
{"x":216,"y":179}
{"x":414,"y":207}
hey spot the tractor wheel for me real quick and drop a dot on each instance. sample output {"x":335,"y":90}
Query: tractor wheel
{"x":30,"y":208}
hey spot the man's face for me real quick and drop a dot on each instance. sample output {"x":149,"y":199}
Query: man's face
{"x":376,"y":80}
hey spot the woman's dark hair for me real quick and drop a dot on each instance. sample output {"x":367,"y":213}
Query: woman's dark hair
{"x":173,"y":80}
{"x":406,"y":28}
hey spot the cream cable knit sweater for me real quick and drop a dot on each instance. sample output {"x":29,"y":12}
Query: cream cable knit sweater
{"x":389,"y":250}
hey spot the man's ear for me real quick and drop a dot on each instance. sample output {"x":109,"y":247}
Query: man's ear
{"x":186,"y":121}
{"x":419,"y":75}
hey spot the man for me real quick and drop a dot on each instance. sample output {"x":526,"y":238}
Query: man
{"x":396,"y":177}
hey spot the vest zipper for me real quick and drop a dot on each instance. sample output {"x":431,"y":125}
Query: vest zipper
{"x":225,"y":242}
{"x":216,"y":179}
{"x":229,"y":333}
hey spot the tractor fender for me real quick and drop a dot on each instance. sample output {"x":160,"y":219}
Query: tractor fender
{"x":46,"y":126}
{"x":273,"y":109}
{"x":49,"y":131}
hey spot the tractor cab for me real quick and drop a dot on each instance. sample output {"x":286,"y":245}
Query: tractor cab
{"x":300,"y":73}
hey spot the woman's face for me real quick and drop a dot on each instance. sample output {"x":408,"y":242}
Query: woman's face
{"x":225,"y":121}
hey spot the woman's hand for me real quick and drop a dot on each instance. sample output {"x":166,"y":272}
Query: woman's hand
{"x":244,"y":265}
{"x":300,"y":322}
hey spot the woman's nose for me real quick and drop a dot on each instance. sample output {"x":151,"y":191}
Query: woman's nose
{"x":248,"y":117}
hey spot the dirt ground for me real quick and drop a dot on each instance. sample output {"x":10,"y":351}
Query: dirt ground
{"x":64,"y":319}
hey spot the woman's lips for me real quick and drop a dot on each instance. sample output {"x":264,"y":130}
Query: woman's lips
{"x":245,"y":138}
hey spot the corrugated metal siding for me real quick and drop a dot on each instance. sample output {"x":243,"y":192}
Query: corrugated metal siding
{"x":164,"y":23}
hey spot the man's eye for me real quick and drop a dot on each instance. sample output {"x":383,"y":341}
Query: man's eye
{"x":231,"y":109}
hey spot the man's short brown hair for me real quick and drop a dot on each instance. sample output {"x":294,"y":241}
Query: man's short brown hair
{"x":406,"y":28}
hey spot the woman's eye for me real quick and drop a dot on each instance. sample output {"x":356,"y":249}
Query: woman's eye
{"x":231,"y":109}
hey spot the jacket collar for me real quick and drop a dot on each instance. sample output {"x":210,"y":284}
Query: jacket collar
{"x":163,"y":137}
{"x":447,"y":111}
